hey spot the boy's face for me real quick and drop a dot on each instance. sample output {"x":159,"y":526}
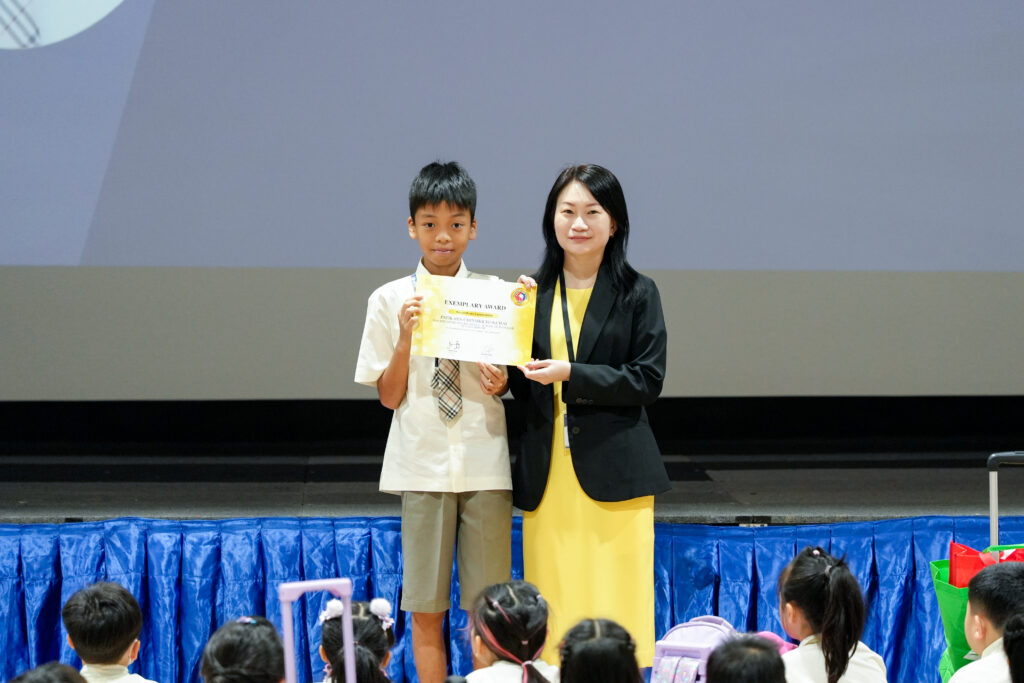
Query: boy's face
{"x":443,"y":232}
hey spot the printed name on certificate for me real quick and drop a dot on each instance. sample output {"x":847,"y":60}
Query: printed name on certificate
{"x":473,"y":319}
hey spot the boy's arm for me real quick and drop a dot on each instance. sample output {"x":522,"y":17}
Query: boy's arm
{"x":394,"y":381}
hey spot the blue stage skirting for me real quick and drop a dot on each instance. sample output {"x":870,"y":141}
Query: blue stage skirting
{"x":192,"y":576}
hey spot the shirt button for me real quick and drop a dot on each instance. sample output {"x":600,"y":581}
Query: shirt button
{"x":575,"y":430}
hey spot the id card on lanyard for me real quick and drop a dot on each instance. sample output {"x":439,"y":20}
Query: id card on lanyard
{"x":570,"y":354}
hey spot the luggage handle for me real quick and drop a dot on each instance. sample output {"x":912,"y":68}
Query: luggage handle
{"x":292,"y":591}
{"x":994,"y":462}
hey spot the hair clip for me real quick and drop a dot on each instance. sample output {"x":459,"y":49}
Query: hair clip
{"x":382,"y":608}
{"x":816,"y":552}
{"x":246,"y":620}
{"x":332,"y":610}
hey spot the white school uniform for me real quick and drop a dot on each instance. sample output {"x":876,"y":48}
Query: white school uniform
{"x":806,"y":664}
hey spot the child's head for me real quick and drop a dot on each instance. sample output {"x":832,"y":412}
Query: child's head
{"x":442,"y":215}
{"x":510,"y":623}
{"x":247,"y":650}
{"x":994,"y":595}
{"x":1013,"y":644}
{"x":103,"y":623}
{"x":746,"y":659}
{"x":818,"y":594}
{"x":372,"y":629}
{"x":52,"y":672}
{"x":599,"y":651}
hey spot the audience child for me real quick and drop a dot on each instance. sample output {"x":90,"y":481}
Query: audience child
{"x":447,"y":451}
{"x":374,"y":635}
{"x":994,"y":595}
{"x":822,"y":607}
{"x":1013,"y":644}
{"x":103,"y":622}
{"x":599,"y":651}
{"x":51,"y":672}
{"x":510,"y":625}
{"x":746,"y":658}
{"x":247,"y":650}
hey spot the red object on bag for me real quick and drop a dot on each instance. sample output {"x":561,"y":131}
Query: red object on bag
{"x":965,"y":562}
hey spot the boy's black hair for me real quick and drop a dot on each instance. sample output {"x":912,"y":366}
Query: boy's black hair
{"x":599,"y":651}
{"x":606,"y":189}
{"x":997,"y":592}
{"x":51,"y":672}
{"x":373,"y":642}
{"x":443,"y":182}
{"x":512,"y":621}
{"x":747,"y":658}
{"x":1013,"y":644}
{"x":103,"y":621}
{"x":827,"y":592}
{"x":247,"y":650}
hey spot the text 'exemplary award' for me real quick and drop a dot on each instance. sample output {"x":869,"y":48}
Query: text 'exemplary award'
{"x":473,"y":319}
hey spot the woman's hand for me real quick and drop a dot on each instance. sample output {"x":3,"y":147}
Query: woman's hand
{"x":492,"y":379}
{"x":546,"y":371}
{"x":527,"y":281}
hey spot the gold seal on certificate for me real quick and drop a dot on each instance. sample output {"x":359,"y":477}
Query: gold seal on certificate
{"x":473,"y":319}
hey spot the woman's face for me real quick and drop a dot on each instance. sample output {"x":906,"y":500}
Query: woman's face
{"x":582,"y":226}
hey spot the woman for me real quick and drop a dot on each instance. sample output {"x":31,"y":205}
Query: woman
{"x":589,"y":466}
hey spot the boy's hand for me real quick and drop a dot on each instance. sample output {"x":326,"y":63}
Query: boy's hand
{"x":492,"y":379}
{"x":409,"y":315}
{"x":547,"y":371}
{"x":527,"y":281}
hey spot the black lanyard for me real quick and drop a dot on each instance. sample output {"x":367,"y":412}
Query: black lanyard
{"x":565,"y":318}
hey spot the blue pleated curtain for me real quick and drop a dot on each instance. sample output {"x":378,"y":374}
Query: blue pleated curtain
{"x":190,"y":577}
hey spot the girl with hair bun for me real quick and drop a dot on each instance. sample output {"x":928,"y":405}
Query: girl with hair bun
{"x":247,"y":650}
{"x":509,"y":625}
{"x":374,"y":635}
{"x":822,"y":607}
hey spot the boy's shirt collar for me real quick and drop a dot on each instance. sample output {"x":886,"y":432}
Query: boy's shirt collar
{"x":993,"y":647}
{"x":422,"y":270}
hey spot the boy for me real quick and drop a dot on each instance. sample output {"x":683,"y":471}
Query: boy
{"x":994,"y":595}
{"x":746,"y":659}
{"x":103,"y":623}
{"x":447,"y":450}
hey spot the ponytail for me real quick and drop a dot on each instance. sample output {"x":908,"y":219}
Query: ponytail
{"x":1013,"y":644}
{"x":374,"y":636}
{"x":512,"y":621}
{"x":828,"y":593}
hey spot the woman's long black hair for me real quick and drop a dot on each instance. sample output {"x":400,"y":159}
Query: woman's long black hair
{"x":605,"y":187}
{"x":373,"y":640}
{"x":828,"y":594}
{"x":512,"y":621}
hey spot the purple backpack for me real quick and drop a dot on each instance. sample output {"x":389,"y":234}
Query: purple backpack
{"x":681,"y":656}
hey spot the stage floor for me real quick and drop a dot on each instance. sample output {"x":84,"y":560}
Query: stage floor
{"x":64,"y":489}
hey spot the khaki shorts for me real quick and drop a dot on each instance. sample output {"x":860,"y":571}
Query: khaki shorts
{"x":476,"y":524}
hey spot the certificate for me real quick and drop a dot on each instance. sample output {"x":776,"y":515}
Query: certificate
{"x":474,"y":319}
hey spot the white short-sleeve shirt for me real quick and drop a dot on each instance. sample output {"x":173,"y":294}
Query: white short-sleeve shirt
{"x":423,"y":452}
{"x":993,"y":667}
{"x":806,"y":664}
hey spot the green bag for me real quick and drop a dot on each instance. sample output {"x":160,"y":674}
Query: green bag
{"x":953,"y":609}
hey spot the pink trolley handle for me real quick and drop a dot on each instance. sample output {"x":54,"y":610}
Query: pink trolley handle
{"x":292,"y":591}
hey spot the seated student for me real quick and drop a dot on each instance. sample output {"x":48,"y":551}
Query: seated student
{"x":747,"y":658}
{"x":1013,"y":644}
{"x":994,"y":595}
{"x":103,"y":622}
{"x":509,"y":624}
{"x":51,"y":672}
{"x":599,"y":651}
{"x":373,"y":634}
{"x":822,"y":607}
{"x":246,"y":650}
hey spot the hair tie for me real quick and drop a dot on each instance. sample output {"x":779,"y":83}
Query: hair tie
{"x":332,"y":610}
{"x":245,"y":620}
{"x":382,"y":609}
{"x":828,"y":570}
{"x":816,"y":552}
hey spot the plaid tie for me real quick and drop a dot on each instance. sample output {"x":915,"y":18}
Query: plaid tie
{"x":447,"y":388}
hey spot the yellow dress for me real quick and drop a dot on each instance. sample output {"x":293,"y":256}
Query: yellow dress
{"x":589,"y":559}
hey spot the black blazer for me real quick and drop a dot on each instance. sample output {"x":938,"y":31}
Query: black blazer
{"x":619,"y":368}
